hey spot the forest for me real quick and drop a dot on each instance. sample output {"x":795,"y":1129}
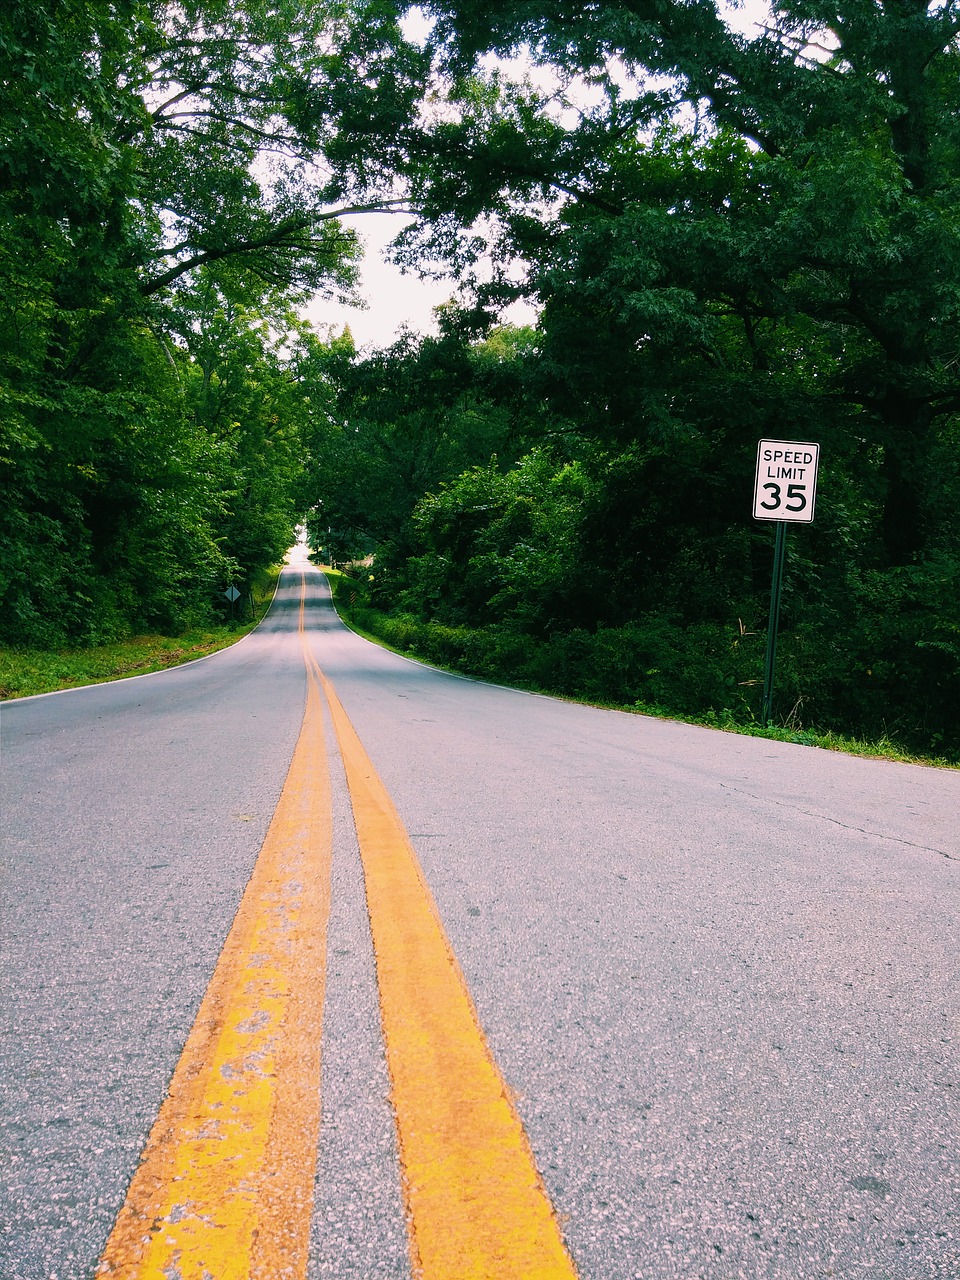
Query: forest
{"x":734,"y":223}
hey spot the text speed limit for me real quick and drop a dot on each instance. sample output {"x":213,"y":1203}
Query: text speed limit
{"x":786,"y":485}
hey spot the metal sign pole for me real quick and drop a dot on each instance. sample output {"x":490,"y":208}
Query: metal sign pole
{"x":773,"y":625}
{"x":784,"y":490}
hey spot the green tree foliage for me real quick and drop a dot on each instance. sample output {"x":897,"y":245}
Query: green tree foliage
{"x":798,"y":184}
{"x":729,"y":235}
{"x":241,"y":388}
{"x":502,"y":547}
{"x":739,"y":236}
{"x":404,"y":420}
{"x":164,"y":201}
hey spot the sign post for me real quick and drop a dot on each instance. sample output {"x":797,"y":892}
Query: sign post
{"x":785,"y":490}
{"x":773,"y":622}
{"x":233,"y":595}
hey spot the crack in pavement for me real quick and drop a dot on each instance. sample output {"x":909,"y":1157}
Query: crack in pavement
{"x":880,"y":835}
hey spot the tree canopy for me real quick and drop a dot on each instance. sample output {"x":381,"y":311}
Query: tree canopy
{"x":171,"y":178}
{"x":731,"y":231}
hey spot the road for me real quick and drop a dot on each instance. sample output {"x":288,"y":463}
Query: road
{"x":705,"y":986}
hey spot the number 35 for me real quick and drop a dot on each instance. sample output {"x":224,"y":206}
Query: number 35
{"x":796,"y":493}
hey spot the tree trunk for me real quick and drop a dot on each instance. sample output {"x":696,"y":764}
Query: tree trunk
{"x":905,"y":472}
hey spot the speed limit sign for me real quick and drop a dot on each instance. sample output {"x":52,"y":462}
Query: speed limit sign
{"x":786,"y":484}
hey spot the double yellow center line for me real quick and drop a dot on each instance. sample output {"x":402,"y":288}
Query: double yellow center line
{"x":224,"y":1189}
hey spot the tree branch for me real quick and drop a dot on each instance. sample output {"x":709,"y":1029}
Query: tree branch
{"x":281,"y":237}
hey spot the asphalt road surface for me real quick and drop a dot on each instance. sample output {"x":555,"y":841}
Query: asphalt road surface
{"x":717,"y":976}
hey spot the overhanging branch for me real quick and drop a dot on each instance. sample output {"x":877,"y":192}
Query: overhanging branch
{"x":283,"y":236}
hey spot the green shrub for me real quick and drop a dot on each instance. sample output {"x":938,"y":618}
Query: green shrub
{"x":713,"y":673}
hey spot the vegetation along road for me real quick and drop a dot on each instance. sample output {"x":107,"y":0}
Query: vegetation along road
{"x":386,"y":972}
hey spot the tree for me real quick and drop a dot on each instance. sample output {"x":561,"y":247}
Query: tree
{"x":403,"y":420}
{"x":739,"y":236}
{"x":241,"y":390}
{"x":142,"y":147}
{"x":502,"y":546}
{"x":801,"y":179}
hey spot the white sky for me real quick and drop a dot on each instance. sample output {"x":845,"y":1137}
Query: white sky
{"x":394,"y":299}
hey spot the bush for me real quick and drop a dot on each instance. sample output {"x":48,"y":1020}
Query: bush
{"x":714,"y":673}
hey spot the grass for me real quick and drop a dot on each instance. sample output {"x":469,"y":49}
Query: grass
{"x":24,"y":672}
{"x":883,"y":748}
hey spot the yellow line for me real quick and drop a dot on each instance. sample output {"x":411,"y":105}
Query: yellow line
{"x":476,"y":1204}
{"x":225,"y":1184}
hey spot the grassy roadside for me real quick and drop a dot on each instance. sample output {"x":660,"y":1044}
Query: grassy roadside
{"x":24,"y":672}
{"x":407,"y":639}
